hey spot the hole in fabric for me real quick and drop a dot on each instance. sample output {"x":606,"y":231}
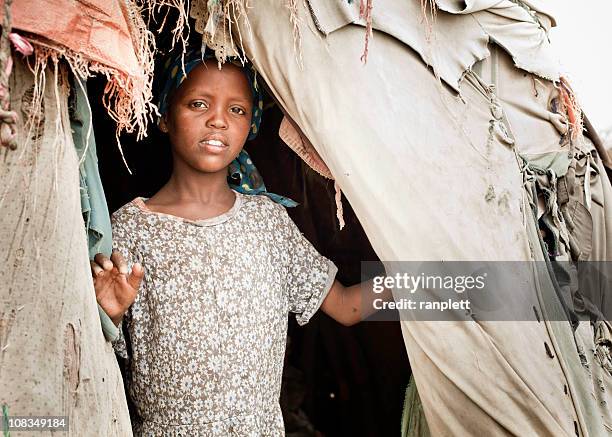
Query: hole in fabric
{"x":535,"y":311}
{"x":72,"y":361}
{"x":548,"y":351}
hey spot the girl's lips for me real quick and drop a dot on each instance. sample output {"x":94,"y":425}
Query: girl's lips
{"x":213,"y":146}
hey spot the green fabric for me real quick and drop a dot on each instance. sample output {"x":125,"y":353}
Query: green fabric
{"x":93,"y":202}
{"x":558,"y":162}
{"x":545,"y":169}
{"x":414,"y":423}
{"x":5,"y":424}
{"x":111,"y":332}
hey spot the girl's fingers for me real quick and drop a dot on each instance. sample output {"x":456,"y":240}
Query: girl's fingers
{"x":136,"y":276}
{"x":119,"y":262}
{"x":103,"y":261}
{"x":95,"y":268}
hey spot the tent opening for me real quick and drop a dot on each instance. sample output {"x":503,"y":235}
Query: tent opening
{"x":336,"y":380}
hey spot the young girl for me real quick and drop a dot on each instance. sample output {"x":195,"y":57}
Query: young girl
{"x":220,"y":271}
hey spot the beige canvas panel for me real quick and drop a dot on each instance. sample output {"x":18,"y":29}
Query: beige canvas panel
{"x":54,"y":359}
{"x":457,"y":37}
{"x":418,"y":166}
{"x":528,"y":104}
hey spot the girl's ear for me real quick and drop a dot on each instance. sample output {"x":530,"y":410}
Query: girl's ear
{"x":163,"y":123}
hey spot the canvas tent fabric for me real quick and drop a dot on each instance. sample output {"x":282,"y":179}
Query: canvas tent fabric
{"x":46,"y":271}
{"x":474,"y":378}
{"x":459,"y":35}
{"x":59,"y":365}
{"x":540,"y":132}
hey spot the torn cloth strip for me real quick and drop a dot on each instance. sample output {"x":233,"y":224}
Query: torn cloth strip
{"x":96,"y":29}
{"x":457,"y":37}
{"x":300,"y":145}
{"x":574,"y":203}
{"x":93,"y":201}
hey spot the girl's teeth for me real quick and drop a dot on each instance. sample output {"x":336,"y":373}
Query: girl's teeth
{"x":215,"y":143}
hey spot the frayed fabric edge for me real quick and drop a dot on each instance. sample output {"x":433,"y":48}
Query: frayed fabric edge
{"x":127,"y":99}
{"x":339,"y":209}
{"x":128,"y":96}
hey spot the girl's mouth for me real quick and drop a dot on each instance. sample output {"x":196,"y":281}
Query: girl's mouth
{"x":213,"y":146}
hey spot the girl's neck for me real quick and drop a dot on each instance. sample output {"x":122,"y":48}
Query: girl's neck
{"x":187,"y":185}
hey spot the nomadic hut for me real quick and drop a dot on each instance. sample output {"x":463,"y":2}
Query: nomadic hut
{"x":445,"y":124}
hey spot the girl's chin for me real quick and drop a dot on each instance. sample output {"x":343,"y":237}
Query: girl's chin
{"x":212,"y":165}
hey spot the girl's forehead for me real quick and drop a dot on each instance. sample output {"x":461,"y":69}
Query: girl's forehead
{"x":230,"y":79}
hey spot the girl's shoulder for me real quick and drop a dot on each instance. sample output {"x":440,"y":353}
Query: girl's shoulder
{"x":129,"y":211}
{"x":267,"y":213}
{"x":262,"y":204}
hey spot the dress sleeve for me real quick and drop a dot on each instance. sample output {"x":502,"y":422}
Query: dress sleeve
{"x":309,"y":274}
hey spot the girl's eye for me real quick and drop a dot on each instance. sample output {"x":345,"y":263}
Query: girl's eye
{"x":199,"y":104}
{"x":238,"y":110}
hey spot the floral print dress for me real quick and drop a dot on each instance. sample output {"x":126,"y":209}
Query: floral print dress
{"x":207,"y":331}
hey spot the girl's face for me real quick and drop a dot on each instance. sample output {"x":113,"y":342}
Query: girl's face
{"x":209,"y":117}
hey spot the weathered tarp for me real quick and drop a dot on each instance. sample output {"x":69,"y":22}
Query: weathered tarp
{"x":436,"y":176}
{"x":96,"y":29}
{"x":54,"y":360}
{"x":103,"y":36}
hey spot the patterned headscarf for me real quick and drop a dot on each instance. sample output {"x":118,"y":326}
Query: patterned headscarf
{"x":243,"y":175}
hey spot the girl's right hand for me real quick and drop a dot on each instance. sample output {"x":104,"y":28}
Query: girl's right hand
{"x":116,"y":290}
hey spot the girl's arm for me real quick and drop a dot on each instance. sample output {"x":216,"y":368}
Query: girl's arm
{"x":350,"y":305}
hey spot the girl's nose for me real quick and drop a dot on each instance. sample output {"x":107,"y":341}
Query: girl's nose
{"x":217,"y":118}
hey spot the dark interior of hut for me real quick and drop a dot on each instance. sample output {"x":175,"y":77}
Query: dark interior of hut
{"x":337,"y":380}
